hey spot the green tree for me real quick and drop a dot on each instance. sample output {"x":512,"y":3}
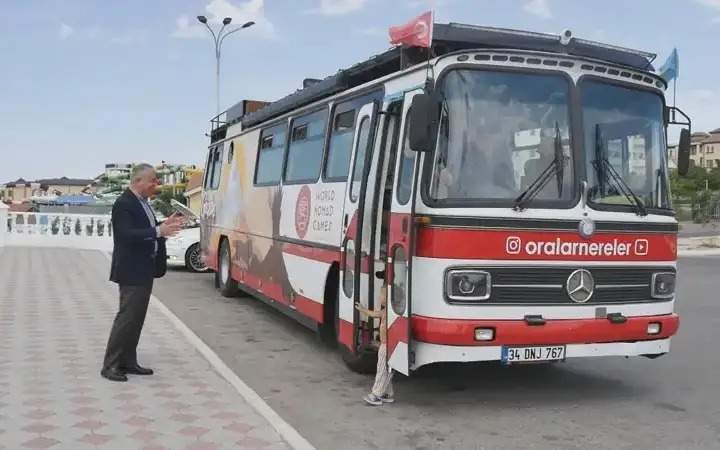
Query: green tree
{"x":684,"y":188}
{"x":713,"y":178}
{"x":162,"y":200}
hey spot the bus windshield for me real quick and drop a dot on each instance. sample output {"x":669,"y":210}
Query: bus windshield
{"x":624,"y":133}
{"x":498,"y":132}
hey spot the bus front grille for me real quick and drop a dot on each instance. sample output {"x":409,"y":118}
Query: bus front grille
{"x":547,"y":285}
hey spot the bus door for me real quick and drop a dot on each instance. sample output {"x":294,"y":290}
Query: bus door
{"x":211,"y":182}
{"x":400,"y":248}
{"x":356,"y":260}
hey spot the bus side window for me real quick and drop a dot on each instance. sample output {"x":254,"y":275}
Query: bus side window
{"x":208,"y":167}
{"x":340,"y":148}
{"x":406,"y":167}
{"x":359,"y":166}
{"x":268,"y":168}
{"x":306,"y":148}
{"x":217,"y":167}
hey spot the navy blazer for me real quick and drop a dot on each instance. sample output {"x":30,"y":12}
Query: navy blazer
{"x":134,"y":261}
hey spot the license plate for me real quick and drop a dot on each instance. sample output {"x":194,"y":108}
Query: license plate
{"x":532,"y":354}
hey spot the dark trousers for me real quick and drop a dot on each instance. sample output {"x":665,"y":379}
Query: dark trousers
{"x":122,"y":346}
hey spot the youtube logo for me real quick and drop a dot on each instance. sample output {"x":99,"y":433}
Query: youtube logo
{"x":641,"y":247}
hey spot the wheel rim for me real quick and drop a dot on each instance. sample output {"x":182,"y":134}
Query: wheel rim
{"x":196,"y":261}
{"x":225,"y":266}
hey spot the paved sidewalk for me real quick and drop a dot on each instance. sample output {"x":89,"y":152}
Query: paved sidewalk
{"x":56,"y":309}
{"x":699,"y":246}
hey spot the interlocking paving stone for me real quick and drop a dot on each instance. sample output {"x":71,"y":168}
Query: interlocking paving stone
{"x":55,"y":327}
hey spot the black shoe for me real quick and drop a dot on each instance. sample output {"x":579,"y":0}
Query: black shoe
{"x":137,"y":370}
{"x":113,"y":374}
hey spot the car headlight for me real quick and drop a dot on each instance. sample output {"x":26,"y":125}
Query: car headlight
{"x":663,"y":285}
{"x":467,"y":285}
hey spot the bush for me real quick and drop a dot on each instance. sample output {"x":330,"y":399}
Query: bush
{"x":162,"y":201}
{"x":704,"y":205}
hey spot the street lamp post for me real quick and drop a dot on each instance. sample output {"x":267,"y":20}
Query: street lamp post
{"x":218,"y":39}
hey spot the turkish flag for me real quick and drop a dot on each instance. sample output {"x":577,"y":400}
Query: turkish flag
{"x":416,"y":33}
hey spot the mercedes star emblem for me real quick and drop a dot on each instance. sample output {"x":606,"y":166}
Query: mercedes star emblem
{"x":580,"y":286}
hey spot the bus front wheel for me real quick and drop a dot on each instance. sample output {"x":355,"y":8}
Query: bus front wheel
{"x":364,"y":361}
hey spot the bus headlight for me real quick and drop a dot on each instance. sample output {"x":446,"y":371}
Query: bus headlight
{"x":467,"y":285}
{"x":663,"y":285}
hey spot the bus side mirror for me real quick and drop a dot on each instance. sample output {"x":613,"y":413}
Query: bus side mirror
{"x":423,"y":118}
{"x":684,"y":152}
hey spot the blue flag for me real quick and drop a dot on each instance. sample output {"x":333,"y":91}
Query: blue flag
{"x":671,"y":69}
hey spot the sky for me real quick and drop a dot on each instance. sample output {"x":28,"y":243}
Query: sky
{"x":89,"y":82}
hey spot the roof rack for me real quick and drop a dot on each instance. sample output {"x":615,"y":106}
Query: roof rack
{"x":447,"y":38}
{"x":373,"y":68}
{"x":473,"y":36}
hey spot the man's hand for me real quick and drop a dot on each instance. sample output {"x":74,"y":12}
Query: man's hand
{"x":172,"y":225}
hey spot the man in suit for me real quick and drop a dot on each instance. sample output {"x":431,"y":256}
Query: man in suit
{"x":139,"y":256}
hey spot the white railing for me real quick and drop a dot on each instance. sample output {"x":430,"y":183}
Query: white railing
{"x":88,"y":231}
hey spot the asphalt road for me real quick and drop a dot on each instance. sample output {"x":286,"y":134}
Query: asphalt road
{"x":611,"y":403}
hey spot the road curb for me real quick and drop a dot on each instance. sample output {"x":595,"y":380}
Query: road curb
{"x":286,"y":431}
{"x":699,"y":246}
{"x":707,"y":252}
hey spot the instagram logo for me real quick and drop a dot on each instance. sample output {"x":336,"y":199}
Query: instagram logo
{"x":513,"y":244}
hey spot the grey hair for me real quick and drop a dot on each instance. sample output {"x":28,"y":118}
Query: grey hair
{"x":139,"y":171}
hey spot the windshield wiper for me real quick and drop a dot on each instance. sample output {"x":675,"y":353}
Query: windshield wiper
{"x":556,"y":168}
{"x":605,"y":170}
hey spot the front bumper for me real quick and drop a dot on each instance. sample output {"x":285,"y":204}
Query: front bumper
{"x":555,"y":331}
{"x":433,"y":353}
{"x":453,"y":340}
{"x":175,"y":252}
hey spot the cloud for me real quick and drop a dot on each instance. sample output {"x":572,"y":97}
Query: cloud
{"x":713,"y":4}
{"x":185,"y":29}
{"x":710,"y":3}
{"x":217,"y":10}
{"x":338,"y":7}
{"x":539,"y":8}
{"x":65,"y":31}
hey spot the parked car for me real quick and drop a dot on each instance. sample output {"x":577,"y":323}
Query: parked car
{"x":184,"y":248}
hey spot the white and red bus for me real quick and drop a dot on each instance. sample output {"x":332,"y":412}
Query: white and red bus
{"x":513,"y":185}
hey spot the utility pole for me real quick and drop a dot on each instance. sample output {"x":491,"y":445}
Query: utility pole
{"x":218,"y":39}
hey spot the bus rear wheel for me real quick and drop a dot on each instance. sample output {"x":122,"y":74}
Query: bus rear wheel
{"x":223,"y":277}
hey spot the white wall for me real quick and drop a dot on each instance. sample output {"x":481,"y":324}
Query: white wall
{"x":83,"y":231}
